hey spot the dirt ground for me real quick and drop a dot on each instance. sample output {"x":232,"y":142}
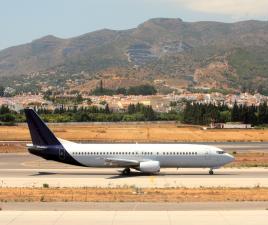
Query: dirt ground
{"x":138,"y":133}
{"x":131,"y":195}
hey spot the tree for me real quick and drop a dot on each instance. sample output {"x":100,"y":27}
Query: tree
{"x":101,"y":86}
{"x":263,"y":113}
{"x":235,"y":117}
{"x":7,"y":118}
{"x":142,"y":90}
{"x":107,"y":109}
{"x":2,"y":90}
{"x":225,"y":116}
{"x":131,"y":109}
{"x":149,"y":113}
{"x":79,"y":99}
{"x":122,"y":91}
{"x":4,"y":110}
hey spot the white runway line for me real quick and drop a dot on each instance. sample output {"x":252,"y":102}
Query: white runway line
{"x":134,"y":217}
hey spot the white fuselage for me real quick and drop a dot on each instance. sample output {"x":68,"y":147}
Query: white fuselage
{"x":168,"y":155}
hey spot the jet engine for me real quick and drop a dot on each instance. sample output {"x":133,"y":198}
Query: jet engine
{"x":149,"y":167}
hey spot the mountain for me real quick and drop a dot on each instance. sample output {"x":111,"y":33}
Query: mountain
{"x":232,"y":56}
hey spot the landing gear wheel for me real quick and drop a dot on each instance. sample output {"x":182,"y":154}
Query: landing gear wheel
{"x":211,"y":172}
{"x":126,"y":171}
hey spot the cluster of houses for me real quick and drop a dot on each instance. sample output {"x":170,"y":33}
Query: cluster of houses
{"x":119,"y":103}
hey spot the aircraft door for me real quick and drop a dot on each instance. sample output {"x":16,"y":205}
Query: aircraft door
{"x":207,"y":155}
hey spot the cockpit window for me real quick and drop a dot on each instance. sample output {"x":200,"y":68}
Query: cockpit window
{"x":220,"y":152}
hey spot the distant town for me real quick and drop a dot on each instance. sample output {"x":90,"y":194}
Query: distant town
{"x":120,"y":103}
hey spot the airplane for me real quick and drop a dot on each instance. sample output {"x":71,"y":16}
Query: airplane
{"x":146,"y":158}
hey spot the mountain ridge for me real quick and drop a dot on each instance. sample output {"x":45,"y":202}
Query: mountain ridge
{"x":165,"y":48}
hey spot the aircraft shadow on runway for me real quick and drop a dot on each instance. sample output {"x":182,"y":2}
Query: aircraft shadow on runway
{"x":188,"y":175}
{"x":133,"y":174}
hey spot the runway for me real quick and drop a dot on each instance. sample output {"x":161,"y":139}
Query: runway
{"x":132,"y":206}
{"x":24,"y":170}
{"x":259,"y":217}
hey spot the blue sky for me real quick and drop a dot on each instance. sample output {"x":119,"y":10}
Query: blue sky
{"x":22,"y":21}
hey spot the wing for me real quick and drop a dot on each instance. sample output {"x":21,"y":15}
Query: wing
{"x":121,"y":162}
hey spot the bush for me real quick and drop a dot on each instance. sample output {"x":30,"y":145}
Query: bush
{"x":7,"y":118}
{"x":45,"y":185}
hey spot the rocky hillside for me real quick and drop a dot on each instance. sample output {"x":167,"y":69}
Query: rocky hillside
{"x":205,"y":54}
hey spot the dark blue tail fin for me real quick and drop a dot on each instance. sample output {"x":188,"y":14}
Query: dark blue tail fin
{"x":40,"y":133}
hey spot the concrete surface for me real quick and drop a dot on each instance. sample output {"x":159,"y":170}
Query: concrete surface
{"x":92,"y":177}
{"x":134,"y":217}
{"x":25,"y":170}
{"x":132,"y":206}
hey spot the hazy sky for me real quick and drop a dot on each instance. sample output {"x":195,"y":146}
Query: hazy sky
{"x":22,"y":21}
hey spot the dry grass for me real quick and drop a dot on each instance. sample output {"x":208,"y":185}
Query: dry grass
{"x":140,"y":133}
{"x":132,"y":195}
{"x":250,"y":159}
{"x":12,"y":147}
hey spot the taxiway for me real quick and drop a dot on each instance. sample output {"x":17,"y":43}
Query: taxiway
{"x":259,"y":217}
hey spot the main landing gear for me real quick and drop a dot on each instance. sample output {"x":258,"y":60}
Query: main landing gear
{"x":211,"y":172}
{"x":126,"y":172}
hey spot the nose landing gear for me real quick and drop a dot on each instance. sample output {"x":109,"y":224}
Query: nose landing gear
{"x":211,"y":172}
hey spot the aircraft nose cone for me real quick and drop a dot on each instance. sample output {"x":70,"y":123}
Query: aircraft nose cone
{"x":230,"y":158}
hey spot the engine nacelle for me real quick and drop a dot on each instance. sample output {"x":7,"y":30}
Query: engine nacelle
{"x":150,"y":167}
